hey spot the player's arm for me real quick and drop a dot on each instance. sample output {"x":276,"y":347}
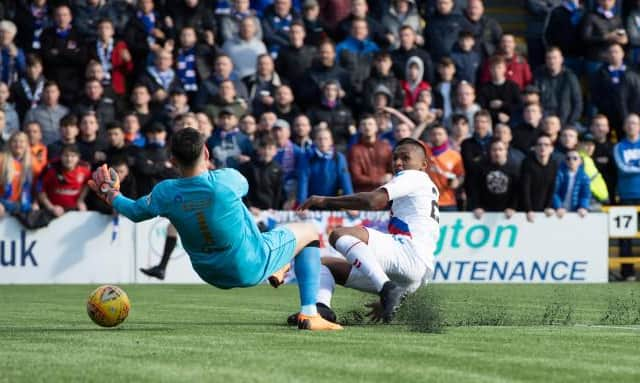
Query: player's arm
{"x":374,"y":200}
{"x":136,"y":210}
{"x":106,"y":184}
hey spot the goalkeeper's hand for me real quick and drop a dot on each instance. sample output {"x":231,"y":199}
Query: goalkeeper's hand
{"x":105,"y":183}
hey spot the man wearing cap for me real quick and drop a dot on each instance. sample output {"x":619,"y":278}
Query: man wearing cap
{"x":229,"y":147}
{"x":586,"y":148}
{"x":559,"y":88}
{"x":12,"y":60}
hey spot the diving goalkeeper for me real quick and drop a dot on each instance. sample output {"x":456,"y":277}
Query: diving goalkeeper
{"x":218,"y":232}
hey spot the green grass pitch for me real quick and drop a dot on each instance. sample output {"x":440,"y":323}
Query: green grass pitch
{"x":196,"y":333}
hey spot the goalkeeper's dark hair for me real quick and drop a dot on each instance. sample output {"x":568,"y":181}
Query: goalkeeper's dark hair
{"x":186,"y":146}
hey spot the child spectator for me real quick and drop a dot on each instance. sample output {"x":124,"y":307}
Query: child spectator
{"x":466,"y":57}
{"x":17,"y":176}
{"x":413,"y":83}
{"x":64,"y":183}
{"x":573,"y":187}
{"x":265,"y":178}
{"x":322,"y":170}
{"x":38,"y":150}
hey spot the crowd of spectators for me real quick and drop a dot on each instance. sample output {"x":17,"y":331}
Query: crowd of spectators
{"x":309,"y":97}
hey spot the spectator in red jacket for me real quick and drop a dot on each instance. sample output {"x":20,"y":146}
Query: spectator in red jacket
{"x":370,"y":159}
{"x":114,"y":57}
{"x":64,"y":183}
{"x":413,"y":84}
{"x":518,"y":69}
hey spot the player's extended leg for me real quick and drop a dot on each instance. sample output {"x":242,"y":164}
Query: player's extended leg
{"x":307,"y":269}
{"x":352,"y":242}
{"x":158,"y":271}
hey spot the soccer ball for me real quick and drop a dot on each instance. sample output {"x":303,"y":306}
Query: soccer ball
{"x":108,"y":306}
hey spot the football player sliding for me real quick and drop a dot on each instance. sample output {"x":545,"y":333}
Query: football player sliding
{"x":391,"y":265}
{"x":218,"y":232}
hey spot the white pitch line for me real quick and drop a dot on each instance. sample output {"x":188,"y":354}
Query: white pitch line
{"x":609,"y":326}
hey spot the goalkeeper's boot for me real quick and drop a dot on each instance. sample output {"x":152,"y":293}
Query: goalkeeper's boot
{"x":277,"y":278}
{"x":324,"y":311}
{"x":155,"y":271}
{"x":391,"y":297}
{"x":316,"y":323}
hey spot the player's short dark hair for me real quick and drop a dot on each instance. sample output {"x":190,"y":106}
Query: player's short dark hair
{"x":413,"y":142}
{"x":69,"y":120}
{"x":186,"y":146}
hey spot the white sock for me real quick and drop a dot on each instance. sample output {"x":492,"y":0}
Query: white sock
{"x":327,"y":285}
{"x":360,"y":257}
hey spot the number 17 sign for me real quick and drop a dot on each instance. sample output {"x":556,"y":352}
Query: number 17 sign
{"x":623,"y":221}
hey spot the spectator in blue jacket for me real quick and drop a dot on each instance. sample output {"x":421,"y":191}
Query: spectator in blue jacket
{"x":627,"y":157}
{"x":573,"y":186}
{"x":322,"y":170}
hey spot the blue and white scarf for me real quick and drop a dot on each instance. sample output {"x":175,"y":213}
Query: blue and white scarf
{"x":105,"y":58}
{"x":187,"y":70}
{"x":39,"y":23}
{"x":164,"y":79}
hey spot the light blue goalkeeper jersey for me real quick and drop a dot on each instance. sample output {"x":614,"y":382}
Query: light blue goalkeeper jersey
{"x":217,"y":230}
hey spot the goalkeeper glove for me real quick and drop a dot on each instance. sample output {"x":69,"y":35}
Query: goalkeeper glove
{"x":105,"y":183}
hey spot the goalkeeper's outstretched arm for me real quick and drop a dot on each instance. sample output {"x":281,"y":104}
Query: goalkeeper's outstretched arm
{"x":138,"y":210}
{"x":106,"y":184}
